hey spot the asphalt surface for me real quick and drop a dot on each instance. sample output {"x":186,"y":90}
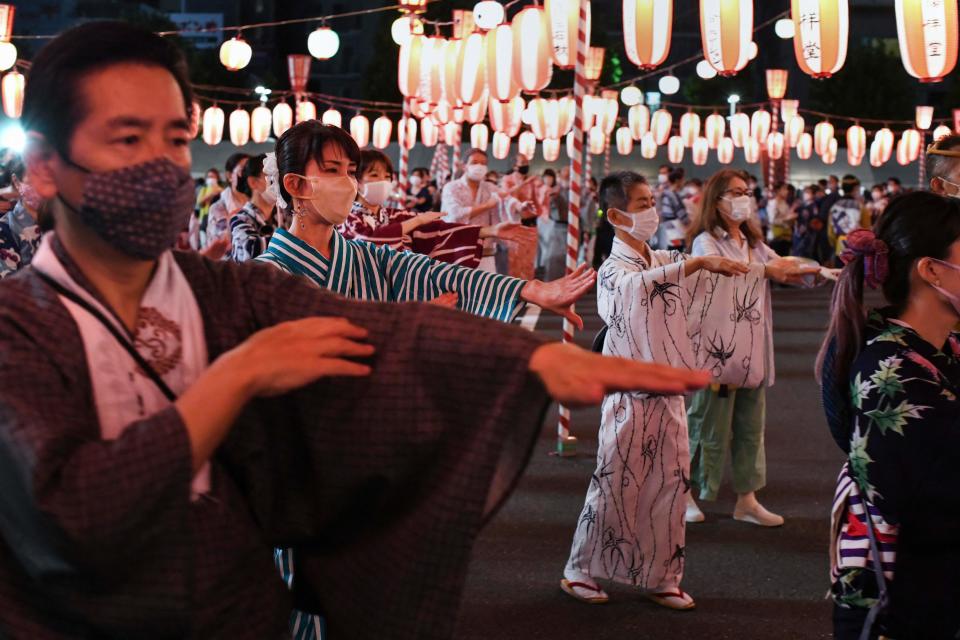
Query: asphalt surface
{"x":748,"y":582}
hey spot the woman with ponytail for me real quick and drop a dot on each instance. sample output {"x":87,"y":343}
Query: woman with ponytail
{"x":891,"y":381}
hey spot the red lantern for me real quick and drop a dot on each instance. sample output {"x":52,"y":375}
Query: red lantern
{"x":298,"y":70}
{"x":647,"y":26}
{"x":777,"y":83}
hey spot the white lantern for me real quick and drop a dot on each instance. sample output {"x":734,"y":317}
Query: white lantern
{"x":805,"y":146}
{"x":911,"y":140}
{"x":501,"y":145}
{"x":715,"y":129}
{"x":479,"y":136}
{"x":563,"y":21}
{"x":501,"y":82}
{"x":527,"y":144}
{"x":571,"y":152}
{"x":477,"y":112}
{"x":788,"y":109}
{"x":726,"y":30}
{"x":924,"y":117}
{"x":701,"y":148}
{"x":532,"y":51}
{"x":631,"y":96}
{"x":451,"y":133}
{"x":822,"y":135}
{"x":689,"y":128}
{"x":306,"y":110}
{"x":401,"y":30}
{"x":488,"y":14}
{"x":8,"y":54}
{"x":407,"y":132}
{"x":624,"y":141}
{"x":784,"y":28}
{"x":928,"y":32}
{"x":751,"y":151}
{"x":213,"y":119}
{"x":794,"y":129}
{"x":775,"y":145}
{"x":739,"y":128}
{"x":332,"y":117}
{"x":853,"y":159}
{"x":260,"y":122}
{"x":760,"y":124}
{"x":282,"y":118}
{"x":660,"y":126}
{"x":323,"y":43}
{"x":471,"y":70}
{"x":239,"y":127}
{"x":725,"y":151}
{"x":648,"y":146}
{"x":647,"y":27}
{"x":822,"y":30}
{"x":876,"y":156}
{"x":429,"y":132}
{"x":235,"y":54}
{"x":13,"y":85}
{"x":597,"y":141}
{"x":941,"y":131}
{"x":669,"y":85}
{"x":856,"y":142}
{"x":638,"y":119}
{"x":382,"y":129}
{"x":830,"y":153}
{"x":705,"y":70}
{"x":507,"y":117}
{"x":675,"y":148}
{"x":884,"y":138}
{"x":360,"y":130}
{"x":551,"y":150}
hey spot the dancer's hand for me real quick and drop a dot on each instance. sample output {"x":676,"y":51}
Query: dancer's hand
{"x":559,"y":295}
{"x":717,"y":264}
{"x":448,"y":300}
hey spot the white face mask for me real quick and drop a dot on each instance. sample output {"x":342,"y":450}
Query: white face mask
{"x":476,"y":172}
{"x":376,"y":193}
{"x":662,"y":178}
{"x":211,"y":182}
{"x":640,"y":225}
{"x":740,"y":208}
{"x":329,"y":199}
{"x":414,"y":182}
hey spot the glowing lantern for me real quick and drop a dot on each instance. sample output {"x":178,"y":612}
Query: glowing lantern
{"x":501,"y":145}
{"x":739,"y":128}
{"x":597,"y":141}
{"x":638,"y":119}
{"x":532,"y":69}
{"x":570,"y":145}
{"x":566,"y":112}
{"x":751,"y":151}
{"x":298,"y":71}
{"x":195,"y":114}
{"x":822,"y":135}
{"x":360,"y":130}
{"x":876,"y":158}
{"x":412,"y":6}
{"x":853,"y":159}
{"x":213,"y":119}
{"x":705,"y":70}
{"x":471,"y":75}
{"x":726,"y":29}
{"x":725,"y":151}
{"x":282,"y":118}
{"x":479,"y":136}
{"x":306,"y":110}
{"x":332,"y":117}
{"x":856,"y":141}
{"x":607,"y":118}
{"x":648,"y":146}
{"x":624,"y":141}
{"x":408,"y":66}
{"x":403,"y":28}
{"x":903,"y":154}
{"x":527,"y":144}
{"x":714,"y":129}
{"x":488,"y":14}
{"x":507,"y":117}
{"x":788,"y":109}
{"x":239,"y":127}
{"x":235,"y":53}
{"x":420,"y":109}
{"x":784,"y":28}
{"x":777,"y":83}
{"x":430,"y":79}
{"x":760,"y":124}
{"x":831,"y":153}
{"x":911,"y":140}
{"x":563,"y":18}
{"x":805,"y":146}
{"x":442,"y":113}
{"x":499,"y":64}
{"x":260,"y":122}
{"x":631,"y":96}
{"x":822,"y":29}
{"x":541,"y":111}
{"x":689,"y":128}
{"x":407,"y":132}
{"x":669,"y":85}
{"x":884,"y":138}
{"x":382,"y":128}
{"x":323,"y":43}
{"x":775,"y":145}
{"x":942,"y":130}
{"x":927,"y":30}
{"x":451,"y":133}
{"x":551,"y":150}
{"x":594,"y":66}
{"x":794,"y":129}
{"x":660,"y":126}
{"x":701,"y":148}
{"x":675,"y":146}
{"x":924,"y":118}
{"x":647,"y":26}
{"x":8,"y":54}
{"x":429,"y":132}
{"x":13,"y":84}
{"x":448,"y":75}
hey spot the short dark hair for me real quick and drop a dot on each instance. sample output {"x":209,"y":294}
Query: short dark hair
{"x":234,"y":160}
{"x":304,"y":142}
{"x":54,"y":106}
{"x":894,"y":179}
{"x":423,"y":171}
{"x":849,"y":184}
{"x":615,"y":188}
{"x":253,"y":169}
{"x":550,"y":172}
{"x":676,"y":174}
{"x":371,"y":157}
{"x":472,"y":151}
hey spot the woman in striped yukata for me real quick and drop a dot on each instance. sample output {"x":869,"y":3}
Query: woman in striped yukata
{"x":314,"y":175}
{"x":891,"y":382}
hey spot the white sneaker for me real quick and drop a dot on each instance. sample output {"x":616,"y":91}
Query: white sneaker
{"x":693,"y":511}
{"x":755,"y":514}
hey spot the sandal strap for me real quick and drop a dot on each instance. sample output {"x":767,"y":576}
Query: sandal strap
{"x":584,"y":585}
{"x":671,"y":594}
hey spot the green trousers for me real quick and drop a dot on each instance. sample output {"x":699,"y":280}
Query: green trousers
{"x":722,"y":420}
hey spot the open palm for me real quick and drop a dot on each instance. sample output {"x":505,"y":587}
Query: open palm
{"x":559,"y":295}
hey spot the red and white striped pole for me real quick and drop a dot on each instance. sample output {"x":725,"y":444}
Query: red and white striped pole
{"x":455,"y":143}
{"x":567,"y":444}
{"x":403,"y":174}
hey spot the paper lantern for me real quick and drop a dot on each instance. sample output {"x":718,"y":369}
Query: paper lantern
{"x":235,"y":53}
{"x":8,"y":54}
{"x":501,"y":145}
{"x":647,"y":26}
{"x":382,"y":129}
{"x":853,"y":159}
{"x":420,"y":109}
{"x":675,"y":147}
{"x":448,"y":72}
{"x":648,"y":146}
{"x":794,"y":129}
{"x":714,"y":129}
{"x":631,"y":96}
{"x":195,"y":114}
{"x":429,"y":132}
{"x":927,"y":30}
{"x":726,"y":31}
{"x":298,"y":71}
{"x":830,"y":156}
{"x":725,"y":151}
{"x":570,"y":145}
{"x":282,"y":118}
{"x":442,"y":113}
{"x":911,"y":139}
{"x":479,"y":136}
{"x":550,"y":149}
{"x":942,"y":130}
{"x":760,"y":124}
{"x":739,"y":128}
{"x":751,"y":151}
{"x":566,"y":114}
{"x":597,"y":141}
{"x":407,"y":132}
{"x":430,"y":80}
{"x":463,"y":23}
{"x":405,"y":27}
{"x":884,"y":138}
{"x":412,"y":6}
{"x":540,"y":111}
{"x":527,"y":144}
{"x":532,"y":53}
{"x":805,"y":146}
{"x":488,"y":14}
{"x":471,"y":75}
{"x":323,"y":43}
{"x":261,"y":120}
{"x":777,"y":83}
{"x":306,"y":110}
{"x":499,"y":64}
{"x":822,"y":135}
{"x":775,"y":145}
{"x":705,"y":70}
{"x":700,"y":151}
{"x":689,"y":128}
{"x":408,"y":65}
{"x":239,"y":127}
{"x":13,"y":85}
{"x":477,"y":112}
{"x":669,"y":85}
{"x":876,"y":156}
{"x":784,"y":28}
{"x":507,"y":117}
{"x":213,"y":119}
{"x":822,"y":29}
{"x":624,"y":141}
{"x":638,"y":119}
{"x":856,"y":141}
{"x":660,"y":126}
{"x":609,"y":110}
{"x":360,"y":130}
{"x":594,"y":63}
{"x":924,"y":118}
{"x":563,"y":19}
{"x":451,"y":133}
{"x":332,"y":117}
{"x":903,"y":153}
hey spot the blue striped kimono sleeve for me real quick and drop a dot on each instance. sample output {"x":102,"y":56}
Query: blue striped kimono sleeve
{"x":415,"y":277}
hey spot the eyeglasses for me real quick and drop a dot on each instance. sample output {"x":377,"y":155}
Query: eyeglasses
{"x":736,"y":193}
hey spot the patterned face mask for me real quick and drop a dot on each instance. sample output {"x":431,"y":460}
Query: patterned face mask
{"x":138,"y":210}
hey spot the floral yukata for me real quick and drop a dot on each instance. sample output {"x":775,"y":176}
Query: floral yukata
{"x":903,"y":469}
{"x":250,"y":233}
{"x":19,"y":239}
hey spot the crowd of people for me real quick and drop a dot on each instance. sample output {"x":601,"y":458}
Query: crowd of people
{"x":247,"y":437}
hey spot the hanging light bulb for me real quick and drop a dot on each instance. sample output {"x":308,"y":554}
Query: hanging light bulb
{"x":928,"y":33}
{"x":647,"y":27}
{"x":739,"y":128}
{"x":323,"y":43}
{"x":784,"y":28}
{"x":479,"y":136}
{"x":551,"y":150}
{"x":760,"y":124}
{"x":675,"y":147}
{"x":751,"y":151}
{"x":725,"y":151}
{"x":624,"y":141}
{"x":715,"y":129}
{"x":805,"y":146}
{"x":488,"y":14}
{"x":532,"y":53}
{"x":660,"y":126}
{"x":213,"y":119}
{"x":382,"y":129}
{"x":705,"y":70}
{"x":597,"y":141}
{"x":638,"y":119}
{"x":669,"y":85}
{"x":239,"y":127}
{"x":726,"y":30}
{"x":501,"y":145}
{"x":648,"y":146}
{"x":360,"y":130}
{"x":822,"y":30}
{"x":306,"y":110}
{"x":403,"y":29}
{"x":332,"y":117}
{"x":429,"y":132}
{"x":235,"y":53}
{"x":701,"y":148}
{"x":260,"y":122}
{"x":13,"y":85}
{"x":631,"y":96}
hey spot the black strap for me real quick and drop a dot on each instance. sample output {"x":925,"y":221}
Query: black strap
{"x":883,"y":598}
{"x":119,"y":337}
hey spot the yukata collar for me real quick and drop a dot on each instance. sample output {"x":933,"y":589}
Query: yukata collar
{"x":883,"y":326}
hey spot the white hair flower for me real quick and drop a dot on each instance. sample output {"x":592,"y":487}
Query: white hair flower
{"x":272,"y":173}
